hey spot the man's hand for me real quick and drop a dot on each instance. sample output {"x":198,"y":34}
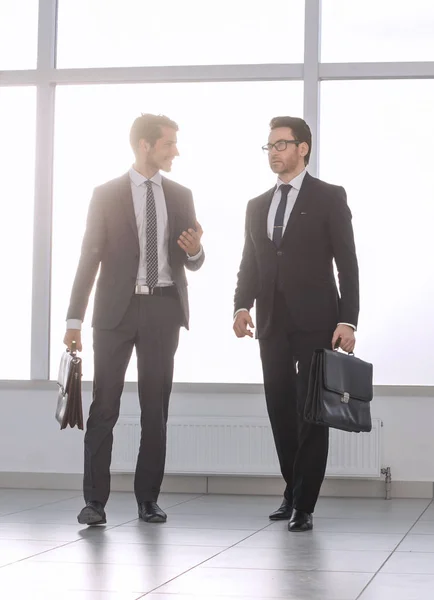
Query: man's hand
{"x":189,"y":240}
{"x":345,"y":335}
{"x":73,"y":335}
{"x":242,"y":321}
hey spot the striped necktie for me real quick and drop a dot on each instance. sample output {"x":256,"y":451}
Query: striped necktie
{"x":151,"y":238}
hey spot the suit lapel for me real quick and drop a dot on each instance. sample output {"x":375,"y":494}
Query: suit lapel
{"x":127,"y":201}
{"x":171,"y":204}
{"x":303,"y":195}
{"x":263,"y":213}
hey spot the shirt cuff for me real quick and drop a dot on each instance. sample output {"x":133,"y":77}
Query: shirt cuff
{"x":349,"y":325}
{"x":240,"y":310}
{"x":73,"y":324}
{"x":196,"y":256}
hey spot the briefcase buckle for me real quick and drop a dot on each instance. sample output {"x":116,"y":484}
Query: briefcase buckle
{"x":345,"y":398}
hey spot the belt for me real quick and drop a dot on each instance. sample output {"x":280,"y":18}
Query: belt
{"x":145,"y":290}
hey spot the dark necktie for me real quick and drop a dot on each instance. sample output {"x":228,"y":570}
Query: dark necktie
{"x":280,"y":214}
{"x":151,"y":238}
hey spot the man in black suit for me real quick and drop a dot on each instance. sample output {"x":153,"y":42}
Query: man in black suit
{"x":293,"y":233}
{"x":141,"y":233}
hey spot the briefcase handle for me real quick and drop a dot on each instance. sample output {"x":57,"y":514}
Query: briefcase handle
{"x":336,"y":348}
{"x":73,"y":352}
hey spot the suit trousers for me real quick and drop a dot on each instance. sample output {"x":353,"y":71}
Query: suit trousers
{"x":151,"y":325}
{"x":302,"y":448}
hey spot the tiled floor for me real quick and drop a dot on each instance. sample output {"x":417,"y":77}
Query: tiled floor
{"x":214,"y":547}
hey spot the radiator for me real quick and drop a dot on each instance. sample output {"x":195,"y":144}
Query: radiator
{"x":241,"y":446}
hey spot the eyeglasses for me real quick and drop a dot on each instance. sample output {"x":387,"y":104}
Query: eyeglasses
{"x":280,"y":145}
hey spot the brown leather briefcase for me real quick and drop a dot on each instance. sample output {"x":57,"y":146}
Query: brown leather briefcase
{"x":69,"y":409}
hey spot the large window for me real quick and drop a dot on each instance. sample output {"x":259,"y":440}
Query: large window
{"x":377,"y":30}
{"x":17,"y":160}
{"x":376,"y":140}
{"x":222,"y":129}
{"x":18,"y":34}
{"x":183,"y":55}
{"x":110,"y":33}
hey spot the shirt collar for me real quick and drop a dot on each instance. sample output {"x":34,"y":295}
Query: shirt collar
{"x":138,"y":179}
{"x":295,"y":183}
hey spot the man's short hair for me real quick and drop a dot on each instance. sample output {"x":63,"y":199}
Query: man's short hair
{"x":300,"y":130}
{"x":148,"y":127}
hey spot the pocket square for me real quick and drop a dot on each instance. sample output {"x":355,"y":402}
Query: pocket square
{"x":303,"y":213}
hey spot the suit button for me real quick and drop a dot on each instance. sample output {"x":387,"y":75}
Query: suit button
{"x":279,"y":253}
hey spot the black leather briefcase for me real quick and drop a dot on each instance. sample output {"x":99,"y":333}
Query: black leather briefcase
{"x":340,"y":391}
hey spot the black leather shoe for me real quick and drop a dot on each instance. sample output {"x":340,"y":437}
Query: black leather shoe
{"x":300,"y":521}
{"x":151,"y":513}
{"x":283,"y":512}
{"x":92,"y":514}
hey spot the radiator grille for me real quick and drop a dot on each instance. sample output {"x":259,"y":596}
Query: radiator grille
{"x":240,"y":446}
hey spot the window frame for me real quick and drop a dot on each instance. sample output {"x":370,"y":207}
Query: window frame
{"x":46,"y":76}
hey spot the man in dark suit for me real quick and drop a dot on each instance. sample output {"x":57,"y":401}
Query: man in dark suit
{"x":141,"y":233}
{"x":293,"y":233}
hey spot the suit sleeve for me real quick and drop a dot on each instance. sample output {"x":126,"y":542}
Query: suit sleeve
{"x":193,"y":265}
{"x":247,"y":283}
{"x":90,"y":258}
{"x":344,"y":252}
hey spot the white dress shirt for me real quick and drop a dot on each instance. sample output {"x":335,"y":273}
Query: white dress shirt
{"x":139,"y":191}
{"x":275,"y":201}
{"x":292,"y":197}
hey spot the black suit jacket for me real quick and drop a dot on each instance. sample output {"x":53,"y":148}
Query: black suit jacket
{"x":111,"y":243}
{"x":318,"y":231}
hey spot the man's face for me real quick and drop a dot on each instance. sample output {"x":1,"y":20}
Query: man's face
{"x":162,"y":153}
{"x":289,"y":160}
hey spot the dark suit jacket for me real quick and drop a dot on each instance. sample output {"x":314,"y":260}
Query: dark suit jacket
{"x":318,"y":231}
{"x":111,"y":242}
